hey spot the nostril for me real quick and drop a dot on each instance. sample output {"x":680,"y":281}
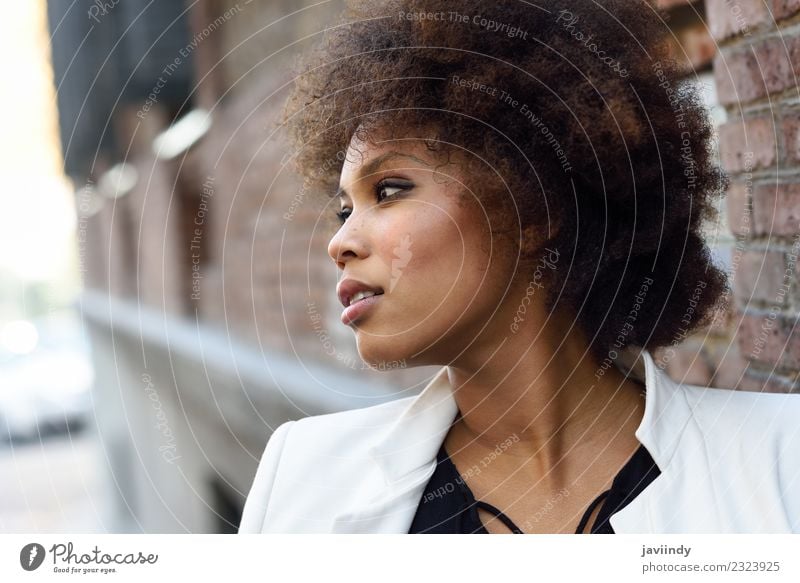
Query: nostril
{"x":342,"y":258}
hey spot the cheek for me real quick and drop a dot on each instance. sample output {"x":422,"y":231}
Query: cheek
{"x":434,"y":255}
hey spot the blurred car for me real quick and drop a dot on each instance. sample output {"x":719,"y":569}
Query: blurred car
{"x":46,"y":391}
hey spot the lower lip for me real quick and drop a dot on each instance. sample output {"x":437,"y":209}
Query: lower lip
{"x":355,"y":311}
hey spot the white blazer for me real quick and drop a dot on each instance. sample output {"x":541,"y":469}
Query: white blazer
{"x":729,"y":461}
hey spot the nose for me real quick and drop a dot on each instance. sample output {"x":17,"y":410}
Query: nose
{"x":348,"y":243}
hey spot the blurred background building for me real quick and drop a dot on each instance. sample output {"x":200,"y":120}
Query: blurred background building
{"x":166,"y":295}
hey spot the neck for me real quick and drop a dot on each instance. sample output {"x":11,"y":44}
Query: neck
{"x":542,"y":392}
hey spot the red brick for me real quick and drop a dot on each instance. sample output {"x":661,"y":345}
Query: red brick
{"x":793,"y":52}
{"x":793,"y":49}
{"x":729,"y":366}
{"x":727,"y":18}
{"x":785,"y":8}
{"x":692,"y":46}
{"x":156,"y":236}
{"x":687,"y":365}
{"x":751,"y":72}
{"x":770,"y":340}
{"x":209,"y":301}
{"x":759,"y":277}
{"x":738,"y":76}
{"x":698,"y":45}
{"x":790,"y":136}
{"x":740,"y":215}
{"x":776,"y":209}
{"x":774,"y":66}
{"x":752,"y":134}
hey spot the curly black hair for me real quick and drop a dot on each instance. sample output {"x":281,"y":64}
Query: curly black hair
{"x":589,"y":131}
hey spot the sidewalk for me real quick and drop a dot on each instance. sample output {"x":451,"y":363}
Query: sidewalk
{"x":57,"y":486}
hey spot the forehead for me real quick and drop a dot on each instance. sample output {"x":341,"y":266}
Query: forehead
{"x":363,"y":156}
{"x":417,"y":148}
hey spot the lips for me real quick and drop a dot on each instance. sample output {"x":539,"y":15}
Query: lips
{"x":347,"y":288}
{"x":355,"y":311}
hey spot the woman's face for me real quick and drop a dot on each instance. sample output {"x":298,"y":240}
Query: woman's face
{"x":414,"y":231}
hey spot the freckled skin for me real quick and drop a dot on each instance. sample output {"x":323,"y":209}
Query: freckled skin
{"x":429,"y":249}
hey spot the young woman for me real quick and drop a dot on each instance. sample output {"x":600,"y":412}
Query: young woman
{"x":521,"y":189}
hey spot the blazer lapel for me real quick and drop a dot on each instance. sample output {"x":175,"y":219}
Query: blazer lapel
{"x":665,"y":418}
{"x":406,"y":453}
{"x":406,"y":457}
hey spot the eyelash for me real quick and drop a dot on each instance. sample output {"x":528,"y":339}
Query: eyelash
{"x":344,"y":213}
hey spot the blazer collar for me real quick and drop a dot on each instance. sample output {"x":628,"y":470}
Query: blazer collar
{"x":413,"y":440}
{"x":406,"y":453}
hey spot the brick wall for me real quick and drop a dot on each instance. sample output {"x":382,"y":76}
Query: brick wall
{"x":754,"y":344}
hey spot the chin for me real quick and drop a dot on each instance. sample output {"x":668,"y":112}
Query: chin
{"x":381,"y":354}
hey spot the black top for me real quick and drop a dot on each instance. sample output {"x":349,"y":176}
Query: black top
{"x":447,"y":505}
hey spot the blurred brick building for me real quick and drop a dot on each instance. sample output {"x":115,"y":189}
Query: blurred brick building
{"x":754,"y":345}
{"x":209,"y":294}
{"x":208,"y":289}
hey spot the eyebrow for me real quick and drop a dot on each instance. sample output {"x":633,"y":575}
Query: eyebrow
{"x":371,"y":166}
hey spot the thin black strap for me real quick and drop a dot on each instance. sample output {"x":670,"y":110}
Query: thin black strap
{"x":499,"y":514}
{"x":588,"y":513}
{"x":513,"y":527}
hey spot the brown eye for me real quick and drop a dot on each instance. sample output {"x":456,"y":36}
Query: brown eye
{"x":393,"y":189}
{"x":383,"y":191}
{"x":343,"y":214}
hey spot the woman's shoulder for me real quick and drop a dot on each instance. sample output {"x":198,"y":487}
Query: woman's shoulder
{"x":730,"y":462}
{"x":361,"y":421}
{"x":325,"y":457}
{"x":350,"y":432}
{"x":745,"y":431}
{"x":746,"y":411}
